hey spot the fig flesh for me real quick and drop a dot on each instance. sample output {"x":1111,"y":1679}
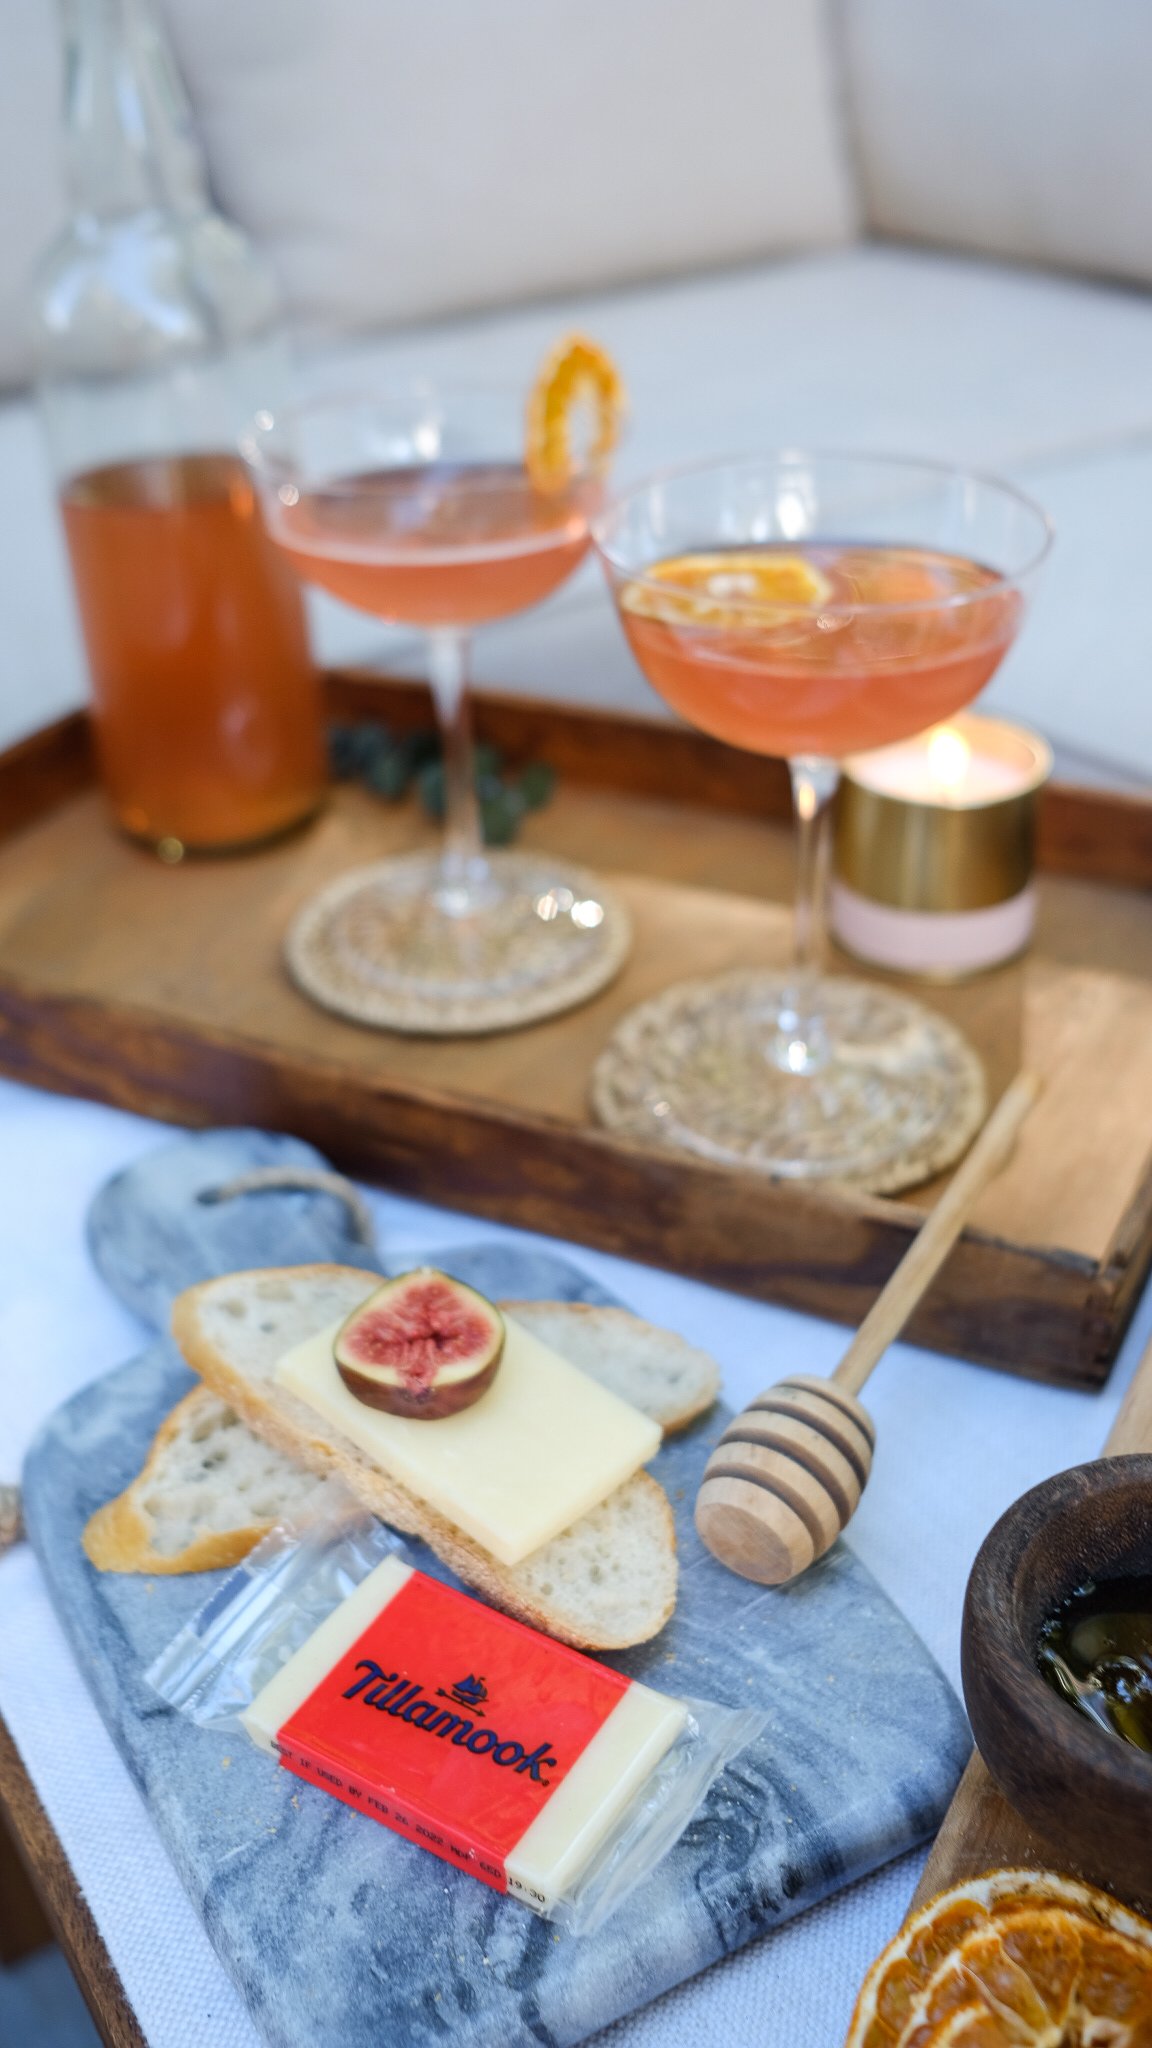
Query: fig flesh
{"x":423,"y":1346}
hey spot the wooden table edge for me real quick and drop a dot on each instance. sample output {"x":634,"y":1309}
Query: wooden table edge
{"x":980,"y":1830}
{"x":64,"y":1903}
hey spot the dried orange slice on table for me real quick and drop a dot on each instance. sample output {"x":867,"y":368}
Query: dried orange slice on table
{"x":578,"y":384}
{"x":1016,"y":1959}
{"x":732,"y":587}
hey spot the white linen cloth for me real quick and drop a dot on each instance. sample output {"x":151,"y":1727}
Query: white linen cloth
{"x":956,"y":1445}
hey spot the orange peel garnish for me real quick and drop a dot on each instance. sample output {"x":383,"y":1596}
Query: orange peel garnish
{"x":1015,"y":1959}
{"x":576,"y":372}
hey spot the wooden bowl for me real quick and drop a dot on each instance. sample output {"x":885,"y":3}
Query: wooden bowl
{"x":1087,"y":1793}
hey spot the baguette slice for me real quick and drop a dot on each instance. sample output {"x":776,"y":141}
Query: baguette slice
{"x":207,"y":1493}
{"x":657,"y":1371}
{"x":607,"y":1582}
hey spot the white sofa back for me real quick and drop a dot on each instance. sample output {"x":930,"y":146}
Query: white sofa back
{"x":1020,"y":128}
{"x":404,"y":160}
{"x":401,"y":161}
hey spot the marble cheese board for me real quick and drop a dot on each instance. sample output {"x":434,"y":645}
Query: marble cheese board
{"x":338,"y":1933}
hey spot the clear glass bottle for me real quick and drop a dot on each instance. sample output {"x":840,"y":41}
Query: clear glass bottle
{"x":157,"y":334}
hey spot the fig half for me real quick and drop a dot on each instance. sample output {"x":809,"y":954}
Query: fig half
{"x":423,"y":1346}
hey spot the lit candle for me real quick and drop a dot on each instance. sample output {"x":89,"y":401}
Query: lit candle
{"x":934,"y":848}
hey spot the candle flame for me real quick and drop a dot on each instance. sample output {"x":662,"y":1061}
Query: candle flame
{"x":948,"y":756}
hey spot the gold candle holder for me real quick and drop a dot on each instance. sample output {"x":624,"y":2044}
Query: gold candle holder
{"x":934,"y":849}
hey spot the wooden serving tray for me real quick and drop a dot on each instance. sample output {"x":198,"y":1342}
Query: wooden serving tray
{"x":161,"y":990}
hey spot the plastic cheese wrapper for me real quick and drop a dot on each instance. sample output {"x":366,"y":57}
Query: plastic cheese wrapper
{"x":525,"y":1764}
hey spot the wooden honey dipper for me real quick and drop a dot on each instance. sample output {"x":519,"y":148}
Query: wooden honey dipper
{"x":788,"y":1472}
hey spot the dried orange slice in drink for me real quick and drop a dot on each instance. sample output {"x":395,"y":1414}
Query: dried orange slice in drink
{"x":577,"y":377}
{"x":734,"y":587}
{"x":1016,"y":1959}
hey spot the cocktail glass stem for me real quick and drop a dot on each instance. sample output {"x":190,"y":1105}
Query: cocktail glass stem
{"x":466,"y":882}
{"x":800,"y":1044}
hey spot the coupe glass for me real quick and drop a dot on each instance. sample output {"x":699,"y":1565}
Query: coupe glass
{"x":414,"y":503}
{"x":811,"y":606}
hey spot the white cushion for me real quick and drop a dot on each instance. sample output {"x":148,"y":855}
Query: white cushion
{"x":1019,"y":127}
{"x":31,"y":174}
{"x":1080,"y":669}
{"x":401,"y":160}
{"x":41,"y":658}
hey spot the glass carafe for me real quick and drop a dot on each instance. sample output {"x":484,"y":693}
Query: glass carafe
{"x":157,"y":326}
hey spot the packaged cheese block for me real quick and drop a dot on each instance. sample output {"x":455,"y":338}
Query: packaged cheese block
{"x":544,"y":1445}
{"x":505,"y":1753}
{"x":517,"y":1760}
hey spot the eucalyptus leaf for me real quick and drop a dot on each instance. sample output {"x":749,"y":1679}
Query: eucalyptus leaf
{"x":390,"y":774}
{"x":537,"y":782}
{"x":500,"y":817}
{"x":391,"y":765}
{"x":353,"y":749}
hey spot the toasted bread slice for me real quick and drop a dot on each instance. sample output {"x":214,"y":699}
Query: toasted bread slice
{"x":208,"y":1492}
{"x":657,"y":1371}
{"x":605,"y":1583}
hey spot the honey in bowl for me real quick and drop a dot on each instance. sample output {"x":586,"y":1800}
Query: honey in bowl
{"x":1096,"y":1650}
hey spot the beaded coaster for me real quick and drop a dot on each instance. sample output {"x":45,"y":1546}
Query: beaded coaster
{"x":373,"y":946}
{"x":902,"y":1097}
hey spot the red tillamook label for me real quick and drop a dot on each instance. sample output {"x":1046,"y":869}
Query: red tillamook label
{"x":451,"y":1724}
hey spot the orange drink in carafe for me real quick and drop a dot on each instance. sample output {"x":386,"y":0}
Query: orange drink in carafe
{"x":205,"y":697}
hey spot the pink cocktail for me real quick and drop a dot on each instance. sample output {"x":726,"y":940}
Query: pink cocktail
{"x":894,"y":639}
{"x":417,"y":505}
{"x":444,"y":545}
{"x":811,"y":606}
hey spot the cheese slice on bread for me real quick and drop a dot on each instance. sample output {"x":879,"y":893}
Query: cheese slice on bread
{"x":606,"y":1582}
{"x":542,"y":1445}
